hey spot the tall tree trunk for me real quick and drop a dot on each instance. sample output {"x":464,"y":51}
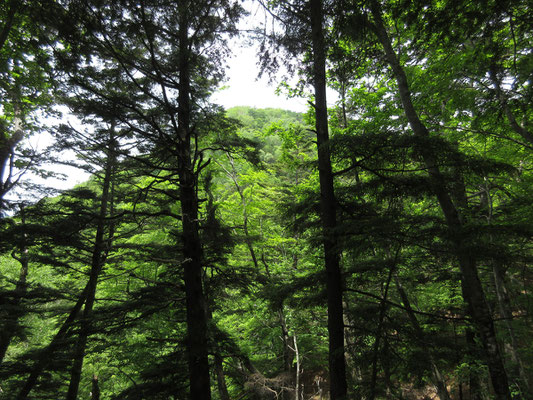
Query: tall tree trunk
{"x":197,"y":344}
{"x":96,"y":267}
{"x":8,"y":143}
{"x":95,"y":389}
{"x":298,"y":368}
{"x":221,"y":378}
{"x":438,"y":379}
{"x":57,"y":341}
{"x":375,"y":352}
{"x":504,"y":305}
{"x":14,"y":312}
{"x":474,"y":294}
{"x":288,"y":352}
{"x":474,"y":379}
{"x":337,"y":362}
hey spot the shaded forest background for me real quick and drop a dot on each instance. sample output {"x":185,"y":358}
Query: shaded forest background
{"x":379,"y":248}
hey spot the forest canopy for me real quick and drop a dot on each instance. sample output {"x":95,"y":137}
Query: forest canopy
{"x":377,"y":246}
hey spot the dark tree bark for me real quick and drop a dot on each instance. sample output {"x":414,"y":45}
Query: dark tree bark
{"x":13,"y":7}
{"x":14,"y":313}
{"x":8,"y":143}
{"x":473,"y":292}
{"x":438,"y":379}
{"x":56,"y":342}
{"x":221,"y":378}
{"x":96,"y":267}
{"x":200,"y":387}
{"x":95,"y":389}
{"x":337,"y":362}
{"x":504,"y":304}
{"x":379,"y":334}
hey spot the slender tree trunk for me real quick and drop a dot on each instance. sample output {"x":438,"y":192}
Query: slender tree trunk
{"x":337,"y":362}
{"x":8,"y":143}
{"x":474,"y":380}
{"x":56,"y":342}
{"x":96,"y":267}
{"x":95,"y":389}
{"x":375,"y":352}
{"x":474,"y":294}
{"x":515,"y":126}
{"x":197,"y":344}
{"x":387,"y":367}
{"x":438,"y":379}
{"x":288,"y":352}
{"x":221,"y":379}
{"x":14,"y":312}
{"x":504,"y":304}
{"x":13,"y":6}
{"x":297,"y":355}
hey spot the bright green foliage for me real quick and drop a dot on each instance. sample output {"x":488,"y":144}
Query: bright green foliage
{"x":468,"y":66}
{"x":26,"y":83}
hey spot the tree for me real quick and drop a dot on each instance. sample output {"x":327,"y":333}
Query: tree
{"x":427,"y":115}
{"x":338,"y":386}
{"x":26,"y":90}
{"x":304,"y":24}
{"x":398,"y":247}
{"x":163,"y":79}
{"x":102,"y":245}
{"x":14,"y":298}
{"x":473,"y":292}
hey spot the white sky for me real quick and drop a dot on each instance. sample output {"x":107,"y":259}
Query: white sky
{"x":244,"y":89}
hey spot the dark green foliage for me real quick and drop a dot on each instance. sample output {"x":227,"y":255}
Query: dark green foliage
{"x":252,"y":179}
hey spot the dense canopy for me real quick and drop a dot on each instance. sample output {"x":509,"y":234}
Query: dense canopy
{"x":377,"y":246}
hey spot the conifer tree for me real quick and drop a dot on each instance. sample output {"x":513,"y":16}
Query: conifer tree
{"x":442,"y":160}
{"x":163,"y":80}
{"x":473,"y":290}
{"x":191,"y":254}
{"x":305,"y":25}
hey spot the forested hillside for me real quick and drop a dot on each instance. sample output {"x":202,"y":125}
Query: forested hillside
{"x":376,"y":248}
